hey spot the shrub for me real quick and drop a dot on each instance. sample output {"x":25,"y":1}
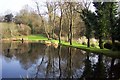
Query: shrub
{"x":82,"y":40}
{"x":24,"y":29}
{"x":8,"y":30}
{"x":108,"y":45}
{"x":84,"y":43}
{"x":93,"y":45}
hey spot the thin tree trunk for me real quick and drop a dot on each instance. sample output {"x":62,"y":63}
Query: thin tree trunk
{"x":70,"y":33}
{"x":113,"y":42}
{"x":88,"y":43}
{"x":68,"y":37}
{"x":54,"y":22}
{"x":60,"y":25}
{"x":70,"y":23}
{"x":60,"y":30}
{"x":42,"y":20}
{"x":100,"y":43}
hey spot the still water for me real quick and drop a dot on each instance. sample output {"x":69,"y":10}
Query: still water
{"x":36,"y":60}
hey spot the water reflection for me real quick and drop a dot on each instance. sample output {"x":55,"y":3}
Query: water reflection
{"x":37,"y":60}
{"x":88,"y":71}
{"x":99,"y":68}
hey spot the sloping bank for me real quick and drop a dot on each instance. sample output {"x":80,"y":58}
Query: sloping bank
{"x":107,"y":52}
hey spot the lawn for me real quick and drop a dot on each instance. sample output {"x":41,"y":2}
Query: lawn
{"x":36,"y":37}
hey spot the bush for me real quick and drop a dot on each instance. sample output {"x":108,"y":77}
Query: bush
{"x":108,"y":45}
{"x":24,"y":29}
{"x":84,"y":43}
{"x":8,"y":30}
{"x":93,"y":45}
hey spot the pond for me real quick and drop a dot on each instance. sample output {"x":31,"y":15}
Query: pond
{"x":36,"y":60}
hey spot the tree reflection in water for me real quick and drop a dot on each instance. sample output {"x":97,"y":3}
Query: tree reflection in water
{"x":114,"y":70}
{"x":59,"y":56}
{"x":69,"y":64}
{"x":99,"y":69}
{"x":88,"y":71}
{"x":41,"y":61}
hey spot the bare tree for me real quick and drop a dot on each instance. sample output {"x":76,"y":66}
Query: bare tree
{"x":60,"y":24}
{"x":43,"y":22}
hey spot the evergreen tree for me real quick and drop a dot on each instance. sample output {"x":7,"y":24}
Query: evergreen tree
{"x":112,"y":7}
{"x":89,"y":20}
{"x":99,"y":29}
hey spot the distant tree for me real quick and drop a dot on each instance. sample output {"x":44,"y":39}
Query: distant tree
{"x":8,"y":18}
{"x":32,"y":19}
{"x":60,"y":25}
{"x":78,"y":26}
{"x":70,"y":6}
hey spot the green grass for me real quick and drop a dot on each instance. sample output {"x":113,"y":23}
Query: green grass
{"x":36,"y":37}
{"x":104,"y":51}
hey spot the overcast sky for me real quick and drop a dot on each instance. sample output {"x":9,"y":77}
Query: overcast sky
{"x":8,"y":6}
{"x":13,"y":5}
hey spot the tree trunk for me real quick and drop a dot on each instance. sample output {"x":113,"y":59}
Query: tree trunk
{"x":100,"y":43}
{"x":113,"y":42}
{"x":70,"y":33}
{"x":48,"y":36}
{"x":88,"y":43}
{"x":60,"y":31}
{"x":60,"y":25}
{"x":42,"y":20}
{"x":54,"y":21}
{"x":71,"y":23}
{"x":68,"y":37}
{"x":53,"y":34}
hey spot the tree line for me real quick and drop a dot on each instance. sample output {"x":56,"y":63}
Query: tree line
{"x":104,"y":22}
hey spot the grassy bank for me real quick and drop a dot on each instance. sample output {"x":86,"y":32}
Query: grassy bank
{"x":104,"y":51}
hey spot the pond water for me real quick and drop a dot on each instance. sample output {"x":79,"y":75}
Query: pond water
{"x":36,"y":60}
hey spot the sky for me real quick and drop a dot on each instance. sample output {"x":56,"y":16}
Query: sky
{"x":7,"y":6}
{"x":14,"y":6}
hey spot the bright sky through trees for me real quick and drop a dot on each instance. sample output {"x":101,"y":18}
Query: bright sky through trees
{"x":13,"y":5}
{"x":8,"y":6}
